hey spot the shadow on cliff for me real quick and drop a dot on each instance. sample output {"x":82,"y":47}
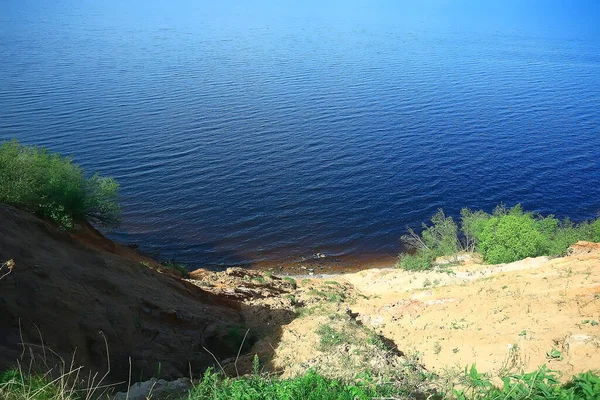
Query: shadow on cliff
{"x":67,"y":299}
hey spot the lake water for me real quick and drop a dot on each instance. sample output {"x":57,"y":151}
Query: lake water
{"x":264,"y":132}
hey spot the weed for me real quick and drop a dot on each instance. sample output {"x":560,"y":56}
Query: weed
{"x":309,"y":386}
{"x":290,"y":280}
{"x":291,"y":297}
{"x":459,"y":324}
{"x":377,"y":341}
{"x":330,"y":337}
{"x":554,"y":354}
{"x":182,"y":269}
{"x":331,"y":297}
{"x":437,"y":348}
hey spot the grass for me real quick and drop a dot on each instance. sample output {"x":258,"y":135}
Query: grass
{"x":328,"y":295}
{"x":290,"y":280}
{"x":331,"y":337}
{"x":180,"y":268}
{"x":504,"y":236}
{"x":54,"y":187}
{"x":470,"y":384}
{"x":310,"y":386}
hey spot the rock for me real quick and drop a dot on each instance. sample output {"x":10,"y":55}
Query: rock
{"x":157,"y":388}
{"x":583,"y":247}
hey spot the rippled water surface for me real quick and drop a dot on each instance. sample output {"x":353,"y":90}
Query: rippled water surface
{"x":248,"y":133}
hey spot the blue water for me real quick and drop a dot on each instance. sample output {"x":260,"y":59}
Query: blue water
{"x":259,"y":132}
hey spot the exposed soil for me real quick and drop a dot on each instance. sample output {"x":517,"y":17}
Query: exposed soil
{"x":502,"y":317}
{"x":68,"y":292}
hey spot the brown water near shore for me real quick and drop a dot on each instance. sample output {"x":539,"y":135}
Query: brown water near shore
{"x":321,"y":263}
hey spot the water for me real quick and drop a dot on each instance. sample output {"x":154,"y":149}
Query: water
{"x":263,"y":133}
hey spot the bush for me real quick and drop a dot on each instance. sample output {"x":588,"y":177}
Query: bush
{"x":506,"y":235}
{"x":439,"y":239}
{"x":472,"y":225}
{"x":52,"y":186}
{"x":512,"y":237}
{"x":420,"y":261}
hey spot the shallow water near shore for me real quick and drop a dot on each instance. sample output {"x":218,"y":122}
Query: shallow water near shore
{"x":265,"y":134}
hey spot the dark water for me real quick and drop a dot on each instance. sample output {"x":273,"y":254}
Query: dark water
{"x":265,"y":131}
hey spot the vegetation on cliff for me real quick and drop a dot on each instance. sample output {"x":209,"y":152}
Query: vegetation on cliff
{"x":504,"y":236}
{"x":541,"y":384}
{"x":52,"y":186}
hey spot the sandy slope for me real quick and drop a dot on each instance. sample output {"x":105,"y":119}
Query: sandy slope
{"x":502,"y":317}
{"x":498,"y":317}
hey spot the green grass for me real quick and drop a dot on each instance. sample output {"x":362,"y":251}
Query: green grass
{"x":329,"y":296}
{"x":310,"y":386}
{"x":542,"y":384}
{"x":331,"y":337}
{"x":290,"y":280}
{"x":504,"y":236}
{"x":180,"y":268}
{"x":52,"y":186}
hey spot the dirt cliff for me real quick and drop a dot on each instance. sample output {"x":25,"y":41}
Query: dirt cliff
{"x":80,"y":293}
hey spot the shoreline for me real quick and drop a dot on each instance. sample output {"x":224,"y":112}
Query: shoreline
{"x":322,"y":265}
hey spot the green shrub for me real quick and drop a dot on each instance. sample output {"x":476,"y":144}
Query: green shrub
{"x":568,"y":233}
{"x":420,"y":261}
{"x":438,"y":239}
{"x":17,"y":386}
{"x":442,"y":236}
{"x":512,"y":237}
{"x":595,"y":231}
{"x":331,"y":337}
{"x":506,"y":235}
{"x":52,"y":186}
{"x":472,"y":225}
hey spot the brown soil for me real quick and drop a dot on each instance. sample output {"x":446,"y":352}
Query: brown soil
{"x":68,"y":293}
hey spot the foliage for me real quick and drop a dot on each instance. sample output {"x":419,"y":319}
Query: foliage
{"x":512,"y":237}
{"x":419,"y":261}
{"x":310,"y":386}
{"x":542,"y":384}
{"x":180,"y":268}
{"x":438,"y":239}
{"x":331,"y":337}
{"x":17,"y":386}
{"x":472,"y":225}
{"x":505,"y":235}
{"x":51,"y":186}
